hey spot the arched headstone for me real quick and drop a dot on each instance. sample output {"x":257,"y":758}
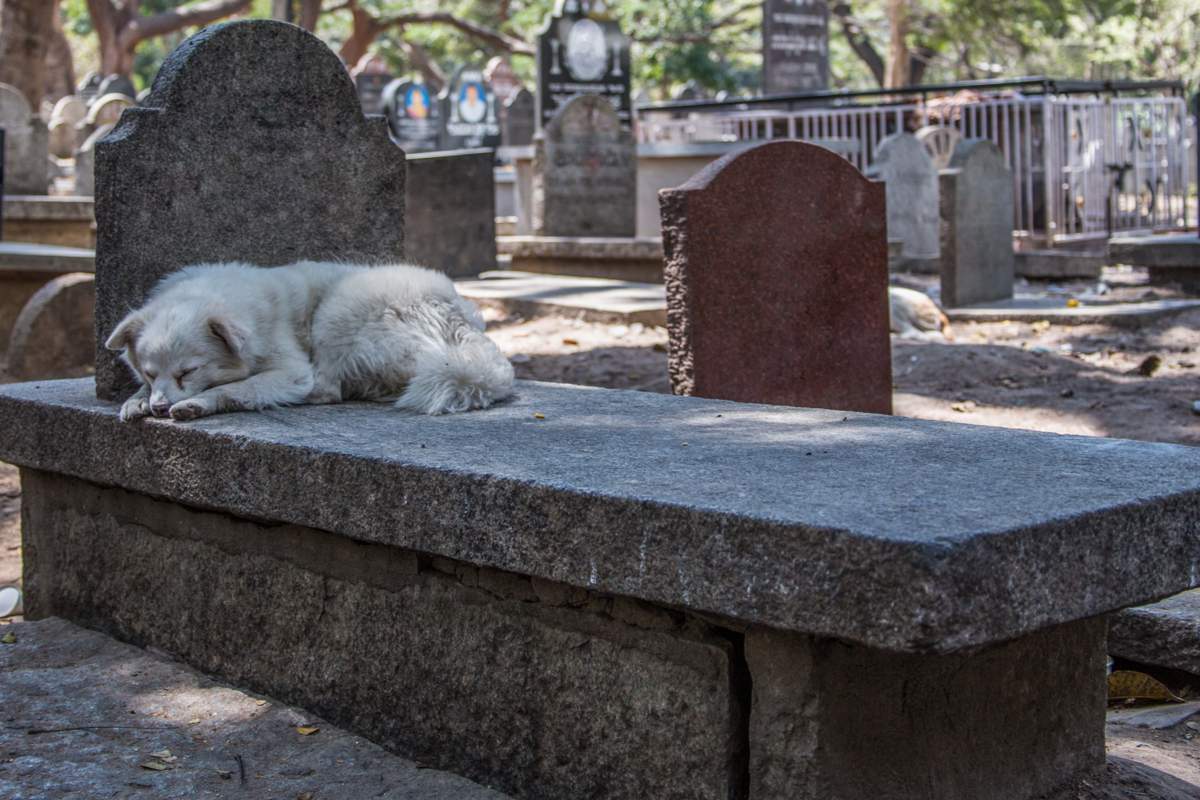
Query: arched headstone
{"x":117,"y":84}
{"x":89,"y":87}
{"x":469,"y":115}
{"x":520,"y":120}
{"x":776,"y":275}
{"x":371,"y":76}
{"x":939,"y":142}
{"x":582,"y":50}
{"x":912,"y":198}
{"x":70,"y":108}
{"x":279,"y":165}
{"x":585,"y":173}
{"x":26,"y":145}
{"x":55,"y":333}
{"x":413,"y":114}
{"x":107,"y":109}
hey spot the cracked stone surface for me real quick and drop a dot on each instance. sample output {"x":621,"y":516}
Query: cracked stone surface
{"x":82,"y":713}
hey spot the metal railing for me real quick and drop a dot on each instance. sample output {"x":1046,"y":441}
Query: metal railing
{"x":1085,"y":164}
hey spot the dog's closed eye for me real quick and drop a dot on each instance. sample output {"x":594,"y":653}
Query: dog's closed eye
{"x":179,"y":376}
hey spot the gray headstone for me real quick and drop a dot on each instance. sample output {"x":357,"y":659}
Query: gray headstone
{"x":520,"y":121}
{"x":795,"y":46}
{"x":85,"y":162}
{"x":450,"y":222}
{"x":62,"y":138}
{"x":89,"y":87}
{"x":912,"y":195}
{"x":106,"y":110}
{"x":26,"y":145}
{"x":585,"y":173}
{"x":977,"y":225}
{"x":413,"y":114}
{"x":370,"y":86}
{"x":469,"y":116}
{"x":55,"y":336}
{"x":117,"y":84}
{"x":70,"y":108}
{"x":277,"y":166}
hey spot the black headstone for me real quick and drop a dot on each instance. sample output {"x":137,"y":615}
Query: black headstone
{"x":583,"y":51}
{"x":370,"y":86}
{"x":795,"y":46}
{"x":89,"y":86}
{"x":413,"y":115}
{"x":117,"y":84}
{"x":469,"y":112}
{"x":520,"y":120}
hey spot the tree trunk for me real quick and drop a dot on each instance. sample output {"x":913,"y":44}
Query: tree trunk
{"x":365,"y":31}
{"x":26,"y":27}
{"x":899,"y":59}
{"x":310,"y":11}
{"x":60,"y":65}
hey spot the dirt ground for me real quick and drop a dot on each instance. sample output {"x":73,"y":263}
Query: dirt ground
{"x":1092,"y":380}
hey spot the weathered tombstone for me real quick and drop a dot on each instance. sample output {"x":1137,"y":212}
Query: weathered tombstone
{"x":976,"y":210}
{"x":776,"y":273}
{"x":68,"y":112}
{"x":583,"y":51}
{"x":85,"y":162}
{"x":279,"y":165}
{"x":520,"y":120}
{"x":795,"y":46}
{"x":54,"y":335}
{"x":912,"y":199}
{"x":450,"y":222}
{"x":117,"y":84}
{"x":413,"y":115}
{"x":26,"y":145}
{"x":939,"y":142}
{"x":585,"y":173}
{"x":89,"y":87}
{"x":469,"y":117}
{"x":71,"y":108}
{"x":104,"y":110}
{"x":371,"y":75}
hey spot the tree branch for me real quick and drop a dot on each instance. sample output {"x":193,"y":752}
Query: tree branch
{"x":859,"y":42}
{"x":496,"y":39}
{"x":141,"y":28}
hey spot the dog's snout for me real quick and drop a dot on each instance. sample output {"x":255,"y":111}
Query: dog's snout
{"x":160,"y":409}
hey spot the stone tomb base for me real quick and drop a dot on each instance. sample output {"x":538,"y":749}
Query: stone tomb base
{"x":548,"y":691}
{"x":639,"y":260}
{"x":60,"y":221}
{"x":1171,"y":258}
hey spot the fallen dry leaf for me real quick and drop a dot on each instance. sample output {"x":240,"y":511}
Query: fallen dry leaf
{"x":1129,"y":685}
{"x":164,"y":755}
{"x":306,"y":730}
{"x":538,"y":415}
{"x":8,"y":638}
{"x":572,"y":342}
{"x":154,"y":764}
{"x":1072,"y":303}
{"x":1150,"y":365}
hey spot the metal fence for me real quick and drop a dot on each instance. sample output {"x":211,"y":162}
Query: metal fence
{"x":1083,"y":167}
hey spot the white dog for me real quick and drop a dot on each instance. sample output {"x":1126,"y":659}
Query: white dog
{"x":229,"y":337}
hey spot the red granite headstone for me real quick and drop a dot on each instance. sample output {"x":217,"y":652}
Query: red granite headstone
{"x":776,"y":273}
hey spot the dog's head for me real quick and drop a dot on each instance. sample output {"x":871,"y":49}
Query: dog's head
{"x":179,"y":352}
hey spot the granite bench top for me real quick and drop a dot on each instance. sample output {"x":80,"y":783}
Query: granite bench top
{"x":901,"y":534}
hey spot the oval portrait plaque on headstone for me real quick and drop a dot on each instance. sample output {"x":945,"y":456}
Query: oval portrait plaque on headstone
{"x":583,"y":51}
{"x":413,"y":115}
{"x":469,"y":107}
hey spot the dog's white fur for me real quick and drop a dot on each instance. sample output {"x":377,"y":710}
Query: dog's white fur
{"x":228,"y":337}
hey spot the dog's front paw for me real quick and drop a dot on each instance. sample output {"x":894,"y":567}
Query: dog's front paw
{"x":135,"y":408}
{"x":191,"y":409}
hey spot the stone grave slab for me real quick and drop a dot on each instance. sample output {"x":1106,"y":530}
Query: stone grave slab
{"x":585,"y":173}
{"x":911,"y":178}
{"x":593,"y":299}
{"x":1164,"y":634}
{"x":795,"y":35}
{"x":978,"y":265}
{"x":450,"y":222}
{"x":26,"y":145}
{"x":250,"y":170}
{"x":1170,"y":258}
{"x":643,"y":587}
{"x":776,"y":273}
{"x":520,"y":120}
{"x":56,"y":220}
{"x":54,"y":336}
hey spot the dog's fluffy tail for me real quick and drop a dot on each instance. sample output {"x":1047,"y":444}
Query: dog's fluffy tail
{"x":462,"y":373}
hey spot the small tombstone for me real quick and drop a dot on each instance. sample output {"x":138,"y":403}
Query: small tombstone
{"x":371,"y":76}
{"x":108,"y":108}
{"x":451,"y":212}
{"x":939,"y":142}
{"x":976,"y":210}
{"x":89,"y":87}
{"x":582,"y":50}
{"x":469,"y":114}
{"x":413,"y":114}
{"x":776,"y":274}
{"x":26,"y":145}
{"x":117,"y":84}
{"x":585,"y":173}
{"x":85,"y":162}
{"x":55,"y":333}
{"x":279,"y":165}
{"x":62,"y":138}
{"x":70,"y":108}
{"x":795,"y":37}
{"x":912,"y":197}
{"x":520,"y":120}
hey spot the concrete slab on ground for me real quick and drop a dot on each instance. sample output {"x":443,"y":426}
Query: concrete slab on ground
{"x":1053,"y":309}
{"x":29,"y":257}
{"x":1164,"y":250}
{"x":593,"y":299}
{"x":88,"y":716}
{"x":1163,"y":634}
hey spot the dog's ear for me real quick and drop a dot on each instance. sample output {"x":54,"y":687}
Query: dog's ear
{"x":126,"y":332}
{"x":228,"y":333}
